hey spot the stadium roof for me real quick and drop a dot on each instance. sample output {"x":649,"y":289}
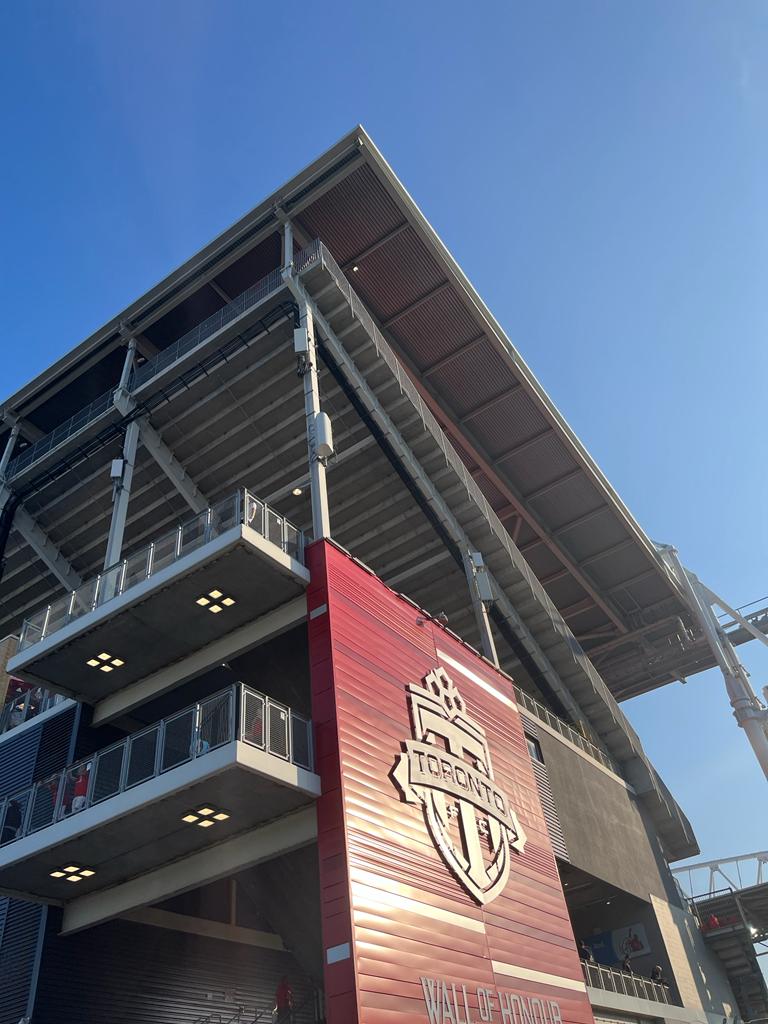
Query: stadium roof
{"x":596,"y":563}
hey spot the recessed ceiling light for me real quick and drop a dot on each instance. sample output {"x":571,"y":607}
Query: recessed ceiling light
{"x":215,"y":601}
{"x":58,"y":874}
{"x":206,"y":811}
{"x":205,"y":823}
{"x":190,"y":818}
{"x":205,"y":816}
{"x":86,"y":872}
{"x":74,"y":878}
{"x":105,"y":662}
{"x":72,"y":873}
{"x":296,"y":492}
{"x":355,"y":269}
{"x":72,"y":867}
{"x":221,"y":816}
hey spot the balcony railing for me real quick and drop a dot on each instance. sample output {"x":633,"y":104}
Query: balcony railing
{"x":238,"y":712}
{"x":241,"y":507}
{"x":624,"y":983}
{"x":25,"y":704}
{"x":567,"y":731}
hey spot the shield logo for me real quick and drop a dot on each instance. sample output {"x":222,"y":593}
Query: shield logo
{"x":447,"y":769}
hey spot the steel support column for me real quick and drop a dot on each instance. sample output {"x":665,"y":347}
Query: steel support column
{"x":122,"y":495}
{"x":321,"y":521}
{"x":482,"y":596}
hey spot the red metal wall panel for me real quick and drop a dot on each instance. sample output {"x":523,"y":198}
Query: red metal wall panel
{"x":415,"y":929}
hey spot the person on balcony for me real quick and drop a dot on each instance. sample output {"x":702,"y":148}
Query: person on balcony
{"x":585,"y":952}
{"x":626,"y":964}
{"x":80,"y":791}
{"x":657,"y":975}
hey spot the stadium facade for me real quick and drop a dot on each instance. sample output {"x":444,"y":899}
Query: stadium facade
{"x":318,"y":619}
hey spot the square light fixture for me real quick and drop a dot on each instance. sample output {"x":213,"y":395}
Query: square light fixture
{"x":206,"y":816}
{"x":105,"y":662}
{"x":215,"y":601}
{"x":72,"y":873}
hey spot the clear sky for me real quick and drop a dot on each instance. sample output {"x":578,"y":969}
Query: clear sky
{"x":599,"y":168}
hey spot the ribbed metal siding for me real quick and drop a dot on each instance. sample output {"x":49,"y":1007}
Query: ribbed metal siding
{"x":122,"y":973}
{"x":18,"y":755}
{"x":17,"y":958}
{"x":545,"y":794}
{"x":54,"y":743}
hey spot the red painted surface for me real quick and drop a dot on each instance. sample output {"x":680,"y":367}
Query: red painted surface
{"x":386,"y":889}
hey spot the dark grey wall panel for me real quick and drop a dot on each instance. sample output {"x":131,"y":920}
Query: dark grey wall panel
{"x":605,"y":829}
{"x":124,"y":973}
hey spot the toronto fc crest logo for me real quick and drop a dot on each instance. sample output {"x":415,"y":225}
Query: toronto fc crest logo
{"x":447,"y":769}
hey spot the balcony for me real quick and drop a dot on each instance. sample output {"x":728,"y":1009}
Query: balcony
{"x":24,"y":703}
{"x":202,"y":776}
{"x":624,"y":983}
{"x":214,"y":573}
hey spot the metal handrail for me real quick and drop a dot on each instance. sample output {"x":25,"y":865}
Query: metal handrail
{"x":625,"y":983}
{"x":242,"y":507}
{"x":566,"y":731}
{"x":142,"y":756}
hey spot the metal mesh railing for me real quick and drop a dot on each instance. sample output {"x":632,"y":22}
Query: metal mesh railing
{"x":624,"y":983}
{"x":183,"y":345}
{"x":64,"y":430}
{"x":214,"y":323}
{"x":564,"y":729}
{"x":274,"y":727}
{"x":161,"y":747}
{"x":240,"y":507}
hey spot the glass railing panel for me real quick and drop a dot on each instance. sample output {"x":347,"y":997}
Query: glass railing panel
{"x":253,"y":718}
{"x":59,"y":614}
{"x":179,"y":739}
{"x":195,"y":533}
{"x":254,"y":513}
{"x":225,"y":514}
{"x":84,"y":598}
{"x":142,"y":752}
{"x":278,"y":742}
{"x":12,"y":817}
{"x":136,"y":568}
{"x":301,"y":743}
{"x":215,"y":722}
{"x":292,"y":540}
{"x":164,"y":552}
{"x":108,"y":771}
{"x":32,"y":630}
{"x":274,"y":527}
{"x":44,"y":801}
{"x":110,"y":584}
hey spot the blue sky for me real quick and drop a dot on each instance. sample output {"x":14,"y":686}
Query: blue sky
{"x":598,"y":168}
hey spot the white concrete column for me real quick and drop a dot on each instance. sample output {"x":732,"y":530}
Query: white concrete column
{"x":321,"y":522}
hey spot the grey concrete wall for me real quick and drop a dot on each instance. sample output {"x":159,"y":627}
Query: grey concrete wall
{"x":606,"y":831}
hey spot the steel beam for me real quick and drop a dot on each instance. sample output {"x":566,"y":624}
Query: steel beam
{"x":416,"y":304}
{"x":45,"y":549}
{"x":489,"y":403}
{"x":462,"y":350}
{"x":370,"y":249}
{"x":171,"y":466}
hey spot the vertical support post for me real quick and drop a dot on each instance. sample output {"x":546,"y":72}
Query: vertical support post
{"x":9,"y":446}
{"x":482,"y":596}
{"x":122,"y":494}
{"x":287,"y":245}
{"x":321,"y":522}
